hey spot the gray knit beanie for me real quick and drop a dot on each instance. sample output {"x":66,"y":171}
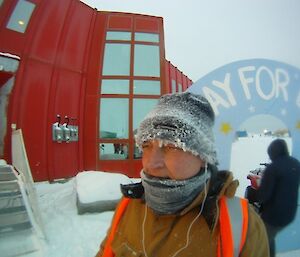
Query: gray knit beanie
{"x":183,"y":119}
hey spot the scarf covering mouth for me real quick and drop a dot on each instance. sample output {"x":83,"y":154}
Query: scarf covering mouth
{"x":169,"y":196}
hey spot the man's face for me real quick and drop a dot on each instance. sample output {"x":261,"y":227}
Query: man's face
{"x":168,"y":161}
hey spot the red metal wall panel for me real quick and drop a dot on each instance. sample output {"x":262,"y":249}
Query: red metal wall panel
{"x":89,"y":133}
{"x":49,"y":25}
{"x":179,"y":76}
{"x":172,"y":72}
{"x":147,"y":24}
{"x":90,"y":117}
{"x":65,"y":156}
{"x":32,"y":109}
{"x":167,"y":78}
{"x":77,"y":28}
{"x":67,"y":93}
{"x":118,"y":21}
{"x":184,"y":84}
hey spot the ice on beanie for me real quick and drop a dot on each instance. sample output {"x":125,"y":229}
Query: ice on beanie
{"x":183,"y":119}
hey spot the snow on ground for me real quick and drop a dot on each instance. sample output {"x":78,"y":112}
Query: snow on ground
{"x":92,"y":186}
{"x":70,"y":234}
{"x":67,"y":233}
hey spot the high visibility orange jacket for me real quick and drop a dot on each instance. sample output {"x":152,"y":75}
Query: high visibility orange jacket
{"x":238,"y":231}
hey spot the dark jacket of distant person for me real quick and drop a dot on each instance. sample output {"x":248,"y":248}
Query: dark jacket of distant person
{"x":278,"y":192}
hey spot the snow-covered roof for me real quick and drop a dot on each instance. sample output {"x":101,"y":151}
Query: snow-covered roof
{"x":10,"y":55}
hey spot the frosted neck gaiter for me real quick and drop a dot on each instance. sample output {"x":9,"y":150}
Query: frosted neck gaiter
{"x":168,"y":196}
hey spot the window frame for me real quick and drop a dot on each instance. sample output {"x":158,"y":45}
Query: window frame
{"x":131,"y":95}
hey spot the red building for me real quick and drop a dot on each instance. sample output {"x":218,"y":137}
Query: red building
{"x":78,"y":81}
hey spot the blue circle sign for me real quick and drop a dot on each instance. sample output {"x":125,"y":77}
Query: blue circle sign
{"x":243,"y":89}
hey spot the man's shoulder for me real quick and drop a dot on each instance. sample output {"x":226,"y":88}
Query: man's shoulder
{"x":296,"y":161}
{"x":290,"y":162}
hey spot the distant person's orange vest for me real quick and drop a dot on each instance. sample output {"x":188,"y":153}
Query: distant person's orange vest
{"x":233,"y":226}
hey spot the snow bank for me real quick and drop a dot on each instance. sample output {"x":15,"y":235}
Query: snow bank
{"x":68,"y":234}
{"x":92,"y":185}
{"x":99,"y":191}
{"x":3,"y":162}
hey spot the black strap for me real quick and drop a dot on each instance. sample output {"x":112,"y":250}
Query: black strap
{"x":134,"y":190}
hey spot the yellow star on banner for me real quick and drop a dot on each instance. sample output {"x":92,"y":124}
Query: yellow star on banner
{"x":225,"y":128}
{"x":298,"y":124}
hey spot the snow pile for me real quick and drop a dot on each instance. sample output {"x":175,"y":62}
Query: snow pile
{"x":92,"y":186}
{"x":67,"y":233}
{"x":93,"y":192}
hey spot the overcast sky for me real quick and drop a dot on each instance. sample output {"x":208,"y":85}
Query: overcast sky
{"x":202,"y":35}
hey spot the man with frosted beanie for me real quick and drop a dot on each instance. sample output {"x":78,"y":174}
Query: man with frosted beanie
{"x":183,"y":206}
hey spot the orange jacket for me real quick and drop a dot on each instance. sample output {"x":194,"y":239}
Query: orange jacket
{"x":233,"y":220}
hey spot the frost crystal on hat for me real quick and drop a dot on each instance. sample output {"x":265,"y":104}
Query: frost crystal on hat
{"x":183,"y":119}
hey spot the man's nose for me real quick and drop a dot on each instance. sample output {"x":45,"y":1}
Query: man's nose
{"x":155,"y":162}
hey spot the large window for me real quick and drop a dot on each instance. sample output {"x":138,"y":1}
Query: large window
{"x":131,"y":72}
{"x":21,"y":15}
{"x":8,"y":64}
{"x":116,"y":59}
{"x":114,"y":118}
{"x":146,"y":60}
{"x":146,"y":37}
{"x":140,"y":109}
{"x":115,"y":86}
{"x":118,"y":35}
{"x":146,"y":87}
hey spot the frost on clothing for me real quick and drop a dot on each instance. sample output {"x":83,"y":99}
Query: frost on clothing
{"x":182,"y":119}
{"x":168,"y":196}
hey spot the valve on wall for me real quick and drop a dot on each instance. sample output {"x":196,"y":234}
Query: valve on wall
{"x":57,"y":133}
{"x":64,"y":132}
{"x":73,"y":130}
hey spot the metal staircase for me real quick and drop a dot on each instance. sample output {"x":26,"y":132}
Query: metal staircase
{"x":18,"y":235}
